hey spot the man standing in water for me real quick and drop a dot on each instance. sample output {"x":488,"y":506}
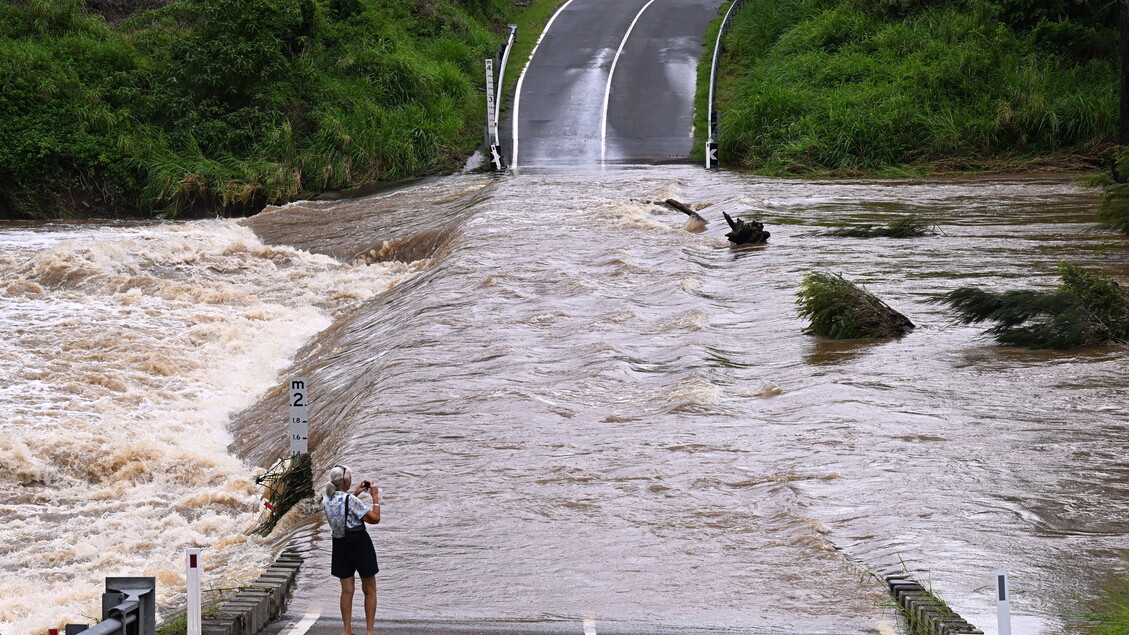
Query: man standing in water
{"x":353,"y":552}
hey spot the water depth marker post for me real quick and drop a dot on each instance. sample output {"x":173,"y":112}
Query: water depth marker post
{"x":1003,"y":603}
{"x":494,"y":100}
{"x":299,"y":423}
{"x":491,"y":123}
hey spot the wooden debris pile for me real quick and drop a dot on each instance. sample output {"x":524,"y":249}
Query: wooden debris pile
{"x":745,"y":232}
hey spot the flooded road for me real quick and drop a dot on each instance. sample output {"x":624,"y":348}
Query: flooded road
{"x":576,"y":409}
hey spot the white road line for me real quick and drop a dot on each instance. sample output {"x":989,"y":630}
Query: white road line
{"x":589,"y":626}
{"x":521,"y":79}
{"x":304,"y":624}
{"x":608,"y":90}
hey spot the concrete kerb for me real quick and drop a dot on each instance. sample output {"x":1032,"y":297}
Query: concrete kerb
{"x":263,"y":601}
{"x":257,"y":604}
{"x":927,"y":613}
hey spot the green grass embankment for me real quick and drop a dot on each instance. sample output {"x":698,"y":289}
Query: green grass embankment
{"x":223,"y":106}
{"x":912,"y":86}
{"x":530,"y":22}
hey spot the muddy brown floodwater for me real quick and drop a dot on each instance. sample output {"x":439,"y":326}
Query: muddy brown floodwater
{"x":577,"y":409}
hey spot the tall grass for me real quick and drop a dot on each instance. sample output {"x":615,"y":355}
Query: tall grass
{"x":827,"y":85}
{"x":530,"y":21}
{"x":226,"y":106}
{"x":1111,"y":612}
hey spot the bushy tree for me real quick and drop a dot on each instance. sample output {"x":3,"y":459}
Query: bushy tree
{"x":1085,"y":310}
{"x":840,"y":310}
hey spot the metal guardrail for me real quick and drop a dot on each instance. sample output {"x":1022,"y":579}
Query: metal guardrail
{"x":711,"y":142}
{"x":494,"y":93}
{"x":129,"y":607}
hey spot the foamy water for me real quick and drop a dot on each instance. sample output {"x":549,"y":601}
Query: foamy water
{"x":124,"y":352}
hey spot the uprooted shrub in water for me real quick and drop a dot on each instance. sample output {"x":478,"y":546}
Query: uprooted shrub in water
{"x":840,"y":310}
{"x":908,"y":227}
{"x":1113,"y":213}
{"x":1085,"y":310}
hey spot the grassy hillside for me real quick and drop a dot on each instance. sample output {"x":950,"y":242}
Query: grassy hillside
{"x":901,"y":86}
{"x":227,"y":105}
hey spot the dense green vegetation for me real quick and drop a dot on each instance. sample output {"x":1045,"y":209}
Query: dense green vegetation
{"x":1111,"y":612}
{"x":227,"y":105}
{"x":904,"y":86}
{"x":1113,"y":212}
{"x":840,"y":310}
{"x":1086,"y":309}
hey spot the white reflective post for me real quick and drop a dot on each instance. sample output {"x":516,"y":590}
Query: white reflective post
{"x":1003,"y":607}
{"x":192,"y":577}
{"x":299,"y":423}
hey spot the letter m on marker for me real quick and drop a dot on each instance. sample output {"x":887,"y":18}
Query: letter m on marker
{"x":297,"y":385}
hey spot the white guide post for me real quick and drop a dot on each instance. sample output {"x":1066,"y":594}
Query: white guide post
{"x":192,"y":577}
{"x":299,"y":423}
{"x":1003,"y":603}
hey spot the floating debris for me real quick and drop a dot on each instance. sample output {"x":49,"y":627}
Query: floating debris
{"x":767,"y":389}
{"x":1113,"y":213}
{"x":682,"y":208}
{"x":840,"y":310}
{"x":745,"y":232}
{"x":908,"y":227}
{"x":1085,"y":310}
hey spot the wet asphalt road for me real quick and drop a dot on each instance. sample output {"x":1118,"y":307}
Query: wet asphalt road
{"x":568,"y":112}
{"x":326,"y":626}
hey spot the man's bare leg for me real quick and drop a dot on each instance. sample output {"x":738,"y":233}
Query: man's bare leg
{"x":347,"y":587}
{"x":368,"y":586}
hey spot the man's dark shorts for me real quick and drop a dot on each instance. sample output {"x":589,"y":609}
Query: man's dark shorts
{"x":354,"y":554}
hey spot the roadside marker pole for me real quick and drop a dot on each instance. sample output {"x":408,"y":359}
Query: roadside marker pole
{"x":491,"y":127}
{"x":491,"y":120}
{"x":192,"y":578}
{"x":1003,"y":604}
{"x":299,"y":423}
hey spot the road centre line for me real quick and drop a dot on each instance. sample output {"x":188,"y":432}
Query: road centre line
{"x":521,"y":79}
{"x":608,"y":89}
{"x":589,"y":626}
